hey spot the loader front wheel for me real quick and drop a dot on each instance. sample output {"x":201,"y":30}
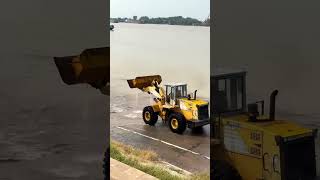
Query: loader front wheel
{"x":149,"y":116}
{"x":177,"y":123}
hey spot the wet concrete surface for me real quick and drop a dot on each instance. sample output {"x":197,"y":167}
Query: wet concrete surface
{"x":126,"y":112}
{"x":48,"y":130}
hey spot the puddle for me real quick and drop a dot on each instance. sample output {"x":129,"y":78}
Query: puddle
{"x":137,"y":112}
{"x":131,"y":116}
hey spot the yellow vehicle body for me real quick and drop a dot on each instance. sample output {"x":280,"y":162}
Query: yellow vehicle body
{"x":252,"y":148}
{"x":187,"y":107}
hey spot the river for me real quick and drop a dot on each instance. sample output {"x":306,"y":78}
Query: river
{"x":177,"y":53}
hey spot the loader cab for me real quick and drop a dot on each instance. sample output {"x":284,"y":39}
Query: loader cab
{"x":174,"y":92}
{"x":228,"y":92}
{"x":227,"y":96}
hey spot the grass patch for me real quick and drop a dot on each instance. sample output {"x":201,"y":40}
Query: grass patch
{"x":148,"y":162}
{"x":143,"y":155}
{"x":200,"y":176}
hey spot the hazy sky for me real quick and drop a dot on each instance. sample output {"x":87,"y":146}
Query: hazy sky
{"x":199,"y":9}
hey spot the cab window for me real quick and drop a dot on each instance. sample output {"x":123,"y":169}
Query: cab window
{"x":228,"y":95}
{"x":181,"y":91}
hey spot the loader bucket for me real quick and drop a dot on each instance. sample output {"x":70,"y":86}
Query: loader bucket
{"x":92,"y":66}
{"x":143,"y":81}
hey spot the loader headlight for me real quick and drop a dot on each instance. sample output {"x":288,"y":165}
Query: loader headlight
{"x":195,"y":113}
{"x":276,"y":163}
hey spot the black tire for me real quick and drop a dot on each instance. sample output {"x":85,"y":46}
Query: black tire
{"x":221,"y":170}
{"x":106,"y":165}
{"x":181,"y":123}
{"x":149,"y":116}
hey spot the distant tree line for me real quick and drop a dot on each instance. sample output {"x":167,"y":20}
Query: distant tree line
{"x":176,"y":20}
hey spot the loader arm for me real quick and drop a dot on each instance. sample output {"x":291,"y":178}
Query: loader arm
{"x":157,"y":92}
{"x":149,"y":84}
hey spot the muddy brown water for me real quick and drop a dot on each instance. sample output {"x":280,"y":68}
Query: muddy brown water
{"x":177,"y":53}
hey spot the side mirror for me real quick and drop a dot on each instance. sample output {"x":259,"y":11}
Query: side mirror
{"x":189,"y":96}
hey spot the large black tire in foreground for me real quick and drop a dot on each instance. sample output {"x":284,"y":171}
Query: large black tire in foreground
{"x":106,"y":165}
{"x":177,"y":123}
{"x":221,"y":170}
{"x":149,"y":116}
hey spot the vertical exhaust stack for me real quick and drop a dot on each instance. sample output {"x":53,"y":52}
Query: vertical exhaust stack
{"x":273,"y":105}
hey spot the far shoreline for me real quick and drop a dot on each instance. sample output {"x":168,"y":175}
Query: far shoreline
{"x":157,"y":24}
{"x":173,"y":20}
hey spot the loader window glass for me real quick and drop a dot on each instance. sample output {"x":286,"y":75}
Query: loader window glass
{"x":181,"y":91}
{"x":173,"y":93}
{"x":168,"y":93}
{"x":228,"y":95}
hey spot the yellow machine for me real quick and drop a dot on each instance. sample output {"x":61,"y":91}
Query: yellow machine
{"x":174,"y":104}
{"x":92,"y":66}
{"x":246,"y":144}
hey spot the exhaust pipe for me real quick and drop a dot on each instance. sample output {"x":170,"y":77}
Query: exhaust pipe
{"x":273,"y":105}
{"x":195,"y":94}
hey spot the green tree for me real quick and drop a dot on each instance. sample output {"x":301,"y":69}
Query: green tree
{"x":144,"y":20}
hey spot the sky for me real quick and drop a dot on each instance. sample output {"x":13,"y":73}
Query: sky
{"x":199,"y":9}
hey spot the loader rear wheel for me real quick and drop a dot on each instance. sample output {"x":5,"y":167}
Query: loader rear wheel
{"x":221,"y":170}
{"x":106,"y":164}
{"x":177,"y":123}
{"x":149,"y":116}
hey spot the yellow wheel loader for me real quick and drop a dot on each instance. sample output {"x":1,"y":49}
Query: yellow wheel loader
{"x":92,"y":67}
{"x":248,"y":145}
{"x":174,"y":105}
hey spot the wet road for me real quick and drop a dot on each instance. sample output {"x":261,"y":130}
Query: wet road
{"x":48,"y":130}
{"x":189,"y":151}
